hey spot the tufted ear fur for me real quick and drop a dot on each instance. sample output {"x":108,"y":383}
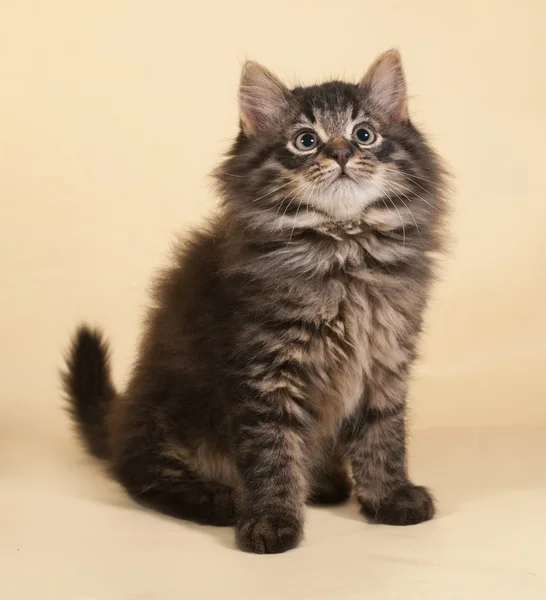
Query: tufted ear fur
{"x":386,"y":85}
{"x":263,"y":99}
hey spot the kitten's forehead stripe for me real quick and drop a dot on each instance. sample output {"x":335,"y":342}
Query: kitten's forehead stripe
{"x":307,"y":110}
{"x":355,"y":112}
{"x":332,"y":96}
{"x":333,"y":106}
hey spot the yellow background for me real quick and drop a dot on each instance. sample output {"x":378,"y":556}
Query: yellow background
{"x":113,"y":113}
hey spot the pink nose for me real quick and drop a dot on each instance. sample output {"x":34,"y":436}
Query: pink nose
{"x":342,"y":155}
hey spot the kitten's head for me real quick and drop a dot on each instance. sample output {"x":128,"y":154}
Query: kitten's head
{"x":333,"y":150}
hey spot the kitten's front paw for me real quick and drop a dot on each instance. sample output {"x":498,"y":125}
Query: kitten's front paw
{"x":408,"y":505}
{"x":269,"y":534}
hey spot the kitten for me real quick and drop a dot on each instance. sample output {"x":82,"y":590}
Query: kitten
{"x":278,"y":352}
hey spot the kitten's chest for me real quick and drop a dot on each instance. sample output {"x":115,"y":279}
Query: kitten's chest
{"x":358,"y":320}
{"x":361,"y":331}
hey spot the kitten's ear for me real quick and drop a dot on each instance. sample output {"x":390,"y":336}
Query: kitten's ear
{"x":386,"y":85}
{"x":263,"y":99}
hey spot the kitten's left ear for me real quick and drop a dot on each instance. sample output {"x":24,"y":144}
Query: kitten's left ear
{"x":386,"y":85}
{"x":263,"y":99}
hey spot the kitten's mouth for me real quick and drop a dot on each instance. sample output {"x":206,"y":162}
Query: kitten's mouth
{"x":340,"y":176}
{"x":343,"y":176}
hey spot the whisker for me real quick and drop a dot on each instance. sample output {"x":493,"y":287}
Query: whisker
{"x":394,"y":206}
{"x":407,"y":189}
{"x":233,"y":175}
{"x":273,"y":191}
{"x":410,"y":176}
{"x":297,"y":211}
{"x":268,"y":208}
{"x":411,"y":215}
{"x":293,"y":192}
{"x":304,"y":186}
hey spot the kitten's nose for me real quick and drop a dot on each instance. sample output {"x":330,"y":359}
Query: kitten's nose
{"x":341,"y":154}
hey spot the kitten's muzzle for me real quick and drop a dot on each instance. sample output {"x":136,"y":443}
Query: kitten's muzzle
{"x":340,"y":151}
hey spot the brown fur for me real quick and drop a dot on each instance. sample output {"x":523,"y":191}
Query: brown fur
{"x":281,"y":342}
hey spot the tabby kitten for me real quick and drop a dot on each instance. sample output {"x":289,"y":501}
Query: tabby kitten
{"x":278,"y":352}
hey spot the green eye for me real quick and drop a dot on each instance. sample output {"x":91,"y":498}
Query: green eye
{"x":306,"y":140}
{"x":364,"y":135}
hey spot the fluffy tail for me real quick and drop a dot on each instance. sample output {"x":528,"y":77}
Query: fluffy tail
{"x":89,"y":389}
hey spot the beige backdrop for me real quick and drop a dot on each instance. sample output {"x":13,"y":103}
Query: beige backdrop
{"x":112,"y":114}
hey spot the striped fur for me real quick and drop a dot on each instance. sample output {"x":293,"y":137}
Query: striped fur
{"x":279,"y":349}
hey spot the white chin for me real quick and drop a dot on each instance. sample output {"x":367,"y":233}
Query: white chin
{"x":344,"y":198}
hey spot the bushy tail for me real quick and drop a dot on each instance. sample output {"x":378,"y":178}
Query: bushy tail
{"x":89,"y":388}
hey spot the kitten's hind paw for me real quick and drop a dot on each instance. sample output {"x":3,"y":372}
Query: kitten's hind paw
{"x":407,"y":505}
{"x":269,"y":534}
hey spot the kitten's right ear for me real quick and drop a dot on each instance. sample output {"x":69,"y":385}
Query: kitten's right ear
{"x":386,"y":85}
{"x":263,"y":99}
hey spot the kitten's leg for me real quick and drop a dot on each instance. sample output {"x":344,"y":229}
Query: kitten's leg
{"x":271,"y":458}
{"x":169,"y":486}
{"x":330,"y":482}
{"x":377,"y":446}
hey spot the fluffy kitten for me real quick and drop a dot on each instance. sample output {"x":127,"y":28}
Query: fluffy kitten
{"x":278,"y":352}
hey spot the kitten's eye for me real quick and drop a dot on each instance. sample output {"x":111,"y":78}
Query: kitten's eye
{"x":364,"y":135}
{"x":307,"y":140}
